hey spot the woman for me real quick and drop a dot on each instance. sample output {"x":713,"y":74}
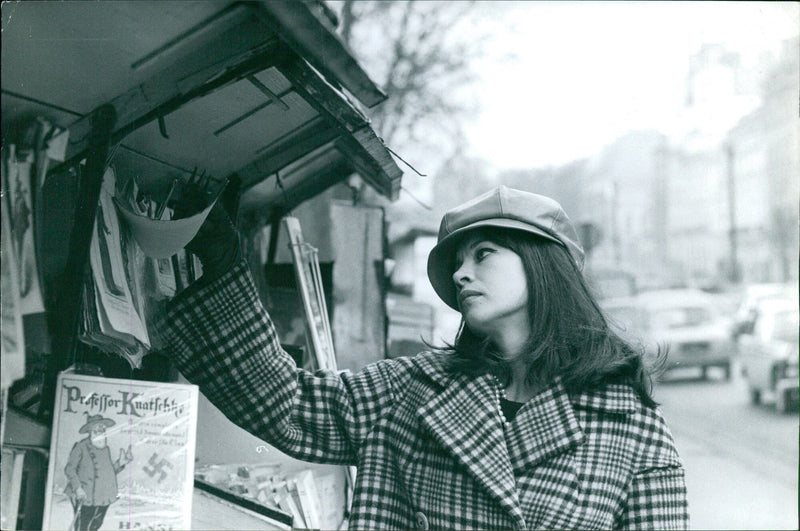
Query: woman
{"x":538,"y":416}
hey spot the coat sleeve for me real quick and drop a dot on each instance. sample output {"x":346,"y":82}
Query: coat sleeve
{"x":656,"y":500}
{"x":222,"y":339}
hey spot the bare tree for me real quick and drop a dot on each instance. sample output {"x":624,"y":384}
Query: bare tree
{"x":461,"y":178}
{"x":420,"y":53}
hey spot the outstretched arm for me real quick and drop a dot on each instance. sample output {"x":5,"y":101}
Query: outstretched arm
{"x":222,"y":339}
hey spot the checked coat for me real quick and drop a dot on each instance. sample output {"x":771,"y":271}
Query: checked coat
{"x":432,"y":448}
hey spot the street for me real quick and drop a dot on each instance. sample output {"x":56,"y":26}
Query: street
{"x":741,"y":460}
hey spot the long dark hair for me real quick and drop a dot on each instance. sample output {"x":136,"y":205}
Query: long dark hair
{"x":570,"y":337}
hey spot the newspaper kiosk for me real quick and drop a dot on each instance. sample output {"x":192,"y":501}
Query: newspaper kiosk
{"x":264,"y":98}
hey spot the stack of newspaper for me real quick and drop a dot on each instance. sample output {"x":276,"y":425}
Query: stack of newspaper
{"x":113,"y":310}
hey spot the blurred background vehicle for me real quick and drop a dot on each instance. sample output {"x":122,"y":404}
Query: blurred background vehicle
{"x":769,"y":352}
{"x":687,"y":321}
{"x":753,"y":296}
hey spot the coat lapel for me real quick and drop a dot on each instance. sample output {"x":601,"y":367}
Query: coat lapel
{"x":465,"y":418}
{"x":545,"y":426}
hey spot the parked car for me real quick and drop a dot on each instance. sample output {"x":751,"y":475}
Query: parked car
{"x":754,"y":295}
{"x":687,"y":321}
{"x":769,"y":353}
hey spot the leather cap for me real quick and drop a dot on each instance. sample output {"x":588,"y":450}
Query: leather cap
{"x":505,"y":208}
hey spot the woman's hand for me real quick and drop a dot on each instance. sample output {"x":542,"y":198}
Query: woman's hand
{"x":216,"y":244}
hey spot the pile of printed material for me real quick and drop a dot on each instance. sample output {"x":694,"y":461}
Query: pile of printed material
{"x":314,"y":500}
{"x":113,"y":300}
{"x":138,"y":261}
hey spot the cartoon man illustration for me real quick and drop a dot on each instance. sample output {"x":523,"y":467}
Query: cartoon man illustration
{"x":92,"y":476}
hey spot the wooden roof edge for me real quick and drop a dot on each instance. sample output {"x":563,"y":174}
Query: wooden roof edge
{"x":313,"y":38}
{"x":307,"y":186}
{"x":378,"y":167}
{"x":356,"y":139}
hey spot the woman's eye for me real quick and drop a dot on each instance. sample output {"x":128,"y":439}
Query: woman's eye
{"x":482,"y":253}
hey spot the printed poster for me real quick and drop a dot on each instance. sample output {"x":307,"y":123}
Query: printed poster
{"x":13,"y":336}
{"x":122,"y":455}
{"x":18,"y":198}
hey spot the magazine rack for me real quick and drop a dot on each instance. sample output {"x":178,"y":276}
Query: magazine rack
{"x":259,"y":92}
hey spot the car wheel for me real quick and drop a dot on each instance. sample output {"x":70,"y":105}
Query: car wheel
{"x":704,"y":373}
{"x":727,"y":369}
{"x":755,"y":396}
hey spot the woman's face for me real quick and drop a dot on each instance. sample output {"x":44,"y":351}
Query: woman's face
{"x":491,"y":287}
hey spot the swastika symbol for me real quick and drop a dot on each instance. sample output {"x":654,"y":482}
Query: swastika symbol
{"x":157,"y":466}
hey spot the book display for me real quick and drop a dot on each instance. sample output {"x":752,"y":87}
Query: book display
{"x":122,"y":453}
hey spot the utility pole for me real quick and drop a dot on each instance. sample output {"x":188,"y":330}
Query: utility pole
{"x":734,"y":274}
{"x":615,"y":240}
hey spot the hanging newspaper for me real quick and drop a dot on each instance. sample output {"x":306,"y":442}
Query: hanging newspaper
{"x":18,"y":168}
{"x":309,"y":282}
{"x":113,"y":318}
{"x":13,"y":346}
{"x":121,"y":455}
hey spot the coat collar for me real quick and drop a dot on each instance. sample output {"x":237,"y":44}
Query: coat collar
{"x":613,"y":398}
{"x":465,"y":418}
{"x":545,"y":427}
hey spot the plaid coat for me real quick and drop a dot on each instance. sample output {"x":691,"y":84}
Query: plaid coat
{"x":432,"y":448}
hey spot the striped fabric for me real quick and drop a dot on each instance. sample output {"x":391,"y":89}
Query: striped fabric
{"x":433,"y":450}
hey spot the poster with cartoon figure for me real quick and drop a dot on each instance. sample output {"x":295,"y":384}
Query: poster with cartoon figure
{"x":122,"y":455}
{"x":18,"y":198}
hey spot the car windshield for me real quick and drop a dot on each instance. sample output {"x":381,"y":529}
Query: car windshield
{"x":680,"y":317}
{"x":786,"y":326}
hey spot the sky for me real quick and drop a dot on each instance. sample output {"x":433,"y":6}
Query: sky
{"x":560,"y":80}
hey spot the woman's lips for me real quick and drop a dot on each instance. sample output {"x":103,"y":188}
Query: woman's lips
{"x":467,"y":294}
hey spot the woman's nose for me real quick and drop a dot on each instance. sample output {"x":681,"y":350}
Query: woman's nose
{"x":462,"y":274}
